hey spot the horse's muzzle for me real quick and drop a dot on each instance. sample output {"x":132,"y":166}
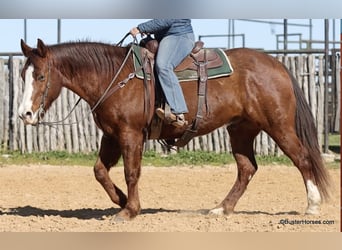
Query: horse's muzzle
{"x":29,"y":117}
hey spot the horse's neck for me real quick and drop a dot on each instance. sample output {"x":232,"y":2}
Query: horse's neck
{"x":81,"y":87}
{"x":89,"y":74}
{"x":85,"y":82}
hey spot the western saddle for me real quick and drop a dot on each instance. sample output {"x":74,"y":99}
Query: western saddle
{"x":199,"y":60}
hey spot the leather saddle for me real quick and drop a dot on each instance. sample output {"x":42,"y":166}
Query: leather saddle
{"x":199,"y":60}
{"x":198,"y":54}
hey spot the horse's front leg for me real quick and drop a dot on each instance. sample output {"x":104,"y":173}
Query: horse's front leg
{"x":109,"y":156}
{"x":131,"y":144}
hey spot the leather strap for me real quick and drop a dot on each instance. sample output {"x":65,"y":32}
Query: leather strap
{"x":149,"y":90}
{"x":202,"y":99}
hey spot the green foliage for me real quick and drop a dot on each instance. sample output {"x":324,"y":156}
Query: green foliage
{"x":186,"y":158}
{"x":150,"y":158}
{"x":50,"y":158}
{"x":334,"y":139}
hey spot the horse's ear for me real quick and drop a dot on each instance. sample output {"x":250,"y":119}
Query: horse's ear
{"x":41,"y":47}
{"x":25,"y":48}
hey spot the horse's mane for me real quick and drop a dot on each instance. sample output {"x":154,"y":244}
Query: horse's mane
{"x":77,"y":57}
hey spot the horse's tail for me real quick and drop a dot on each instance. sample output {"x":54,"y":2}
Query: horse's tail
{"x":307,"y":133}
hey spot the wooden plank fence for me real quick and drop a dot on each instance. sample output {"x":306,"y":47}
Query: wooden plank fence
{"x":84,"y":136}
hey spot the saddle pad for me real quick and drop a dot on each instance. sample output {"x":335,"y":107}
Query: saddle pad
{"x":188,"y":74}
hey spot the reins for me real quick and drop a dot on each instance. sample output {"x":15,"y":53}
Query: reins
{"x":108,"y":91}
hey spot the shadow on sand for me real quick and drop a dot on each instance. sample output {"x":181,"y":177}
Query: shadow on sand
{"x":101,"y":214}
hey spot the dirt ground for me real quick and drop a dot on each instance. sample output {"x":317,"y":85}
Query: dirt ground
{"x":173,"y":199}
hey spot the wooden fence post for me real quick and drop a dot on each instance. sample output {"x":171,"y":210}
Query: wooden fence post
{"x":3,"y":83}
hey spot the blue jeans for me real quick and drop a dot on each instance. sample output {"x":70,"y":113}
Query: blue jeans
{"x":171,"y":52}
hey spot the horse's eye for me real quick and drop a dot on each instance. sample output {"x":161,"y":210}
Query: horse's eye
{"x":41,"y":78}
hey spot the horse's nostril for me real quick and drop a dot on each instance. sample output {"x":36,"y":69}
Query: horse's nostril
{"x":28,"y":117}
{"x":28,"y":114}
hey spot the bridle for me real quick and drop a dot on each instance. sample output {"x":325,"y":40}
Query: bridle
{"x":107,"y":93}
{"x":41,"y":109}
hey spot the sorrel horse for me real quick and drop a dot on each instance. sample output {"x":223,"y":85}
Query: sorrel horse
{"x":261,"y":94}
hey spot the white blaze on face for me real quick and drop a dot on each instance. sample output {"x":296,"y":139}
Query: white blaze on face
{"x":26,"y":104}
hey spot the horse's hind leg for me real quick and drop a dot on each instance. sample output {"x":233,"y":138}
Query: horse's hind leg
{"x":108,"y":157}
{"x":289,"y":142}
{"x":242,"y":137}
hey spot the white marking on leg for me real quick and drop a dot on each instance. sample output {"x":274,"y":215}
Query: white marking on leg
{"x":217,"y":211}
{"x":314,"y":198}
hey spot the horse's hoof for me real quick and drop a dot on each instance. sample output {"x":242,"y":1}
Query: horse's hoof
{"x":220,"y":211}
{"x":312,"y":210}
{"x":216,"y":211}
{"x":124,"y":215}
{"x":119,"y":219}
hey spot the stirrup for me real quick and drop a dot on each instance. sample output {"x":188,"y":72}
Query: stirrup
{"x":175,"y":120}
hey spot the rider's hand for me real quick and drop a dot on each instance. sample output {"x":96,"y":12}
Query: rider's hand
{"x":134,"y":31}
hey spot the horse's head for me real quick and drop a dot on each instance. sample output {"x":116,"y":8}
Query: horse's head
{"x":41,"y":84}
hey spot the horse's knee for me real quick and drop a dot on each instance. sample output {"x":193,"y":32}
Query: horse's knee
{"x":246,"y":172}
{"x":100,"y":172}
{"x":132,"y":175}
